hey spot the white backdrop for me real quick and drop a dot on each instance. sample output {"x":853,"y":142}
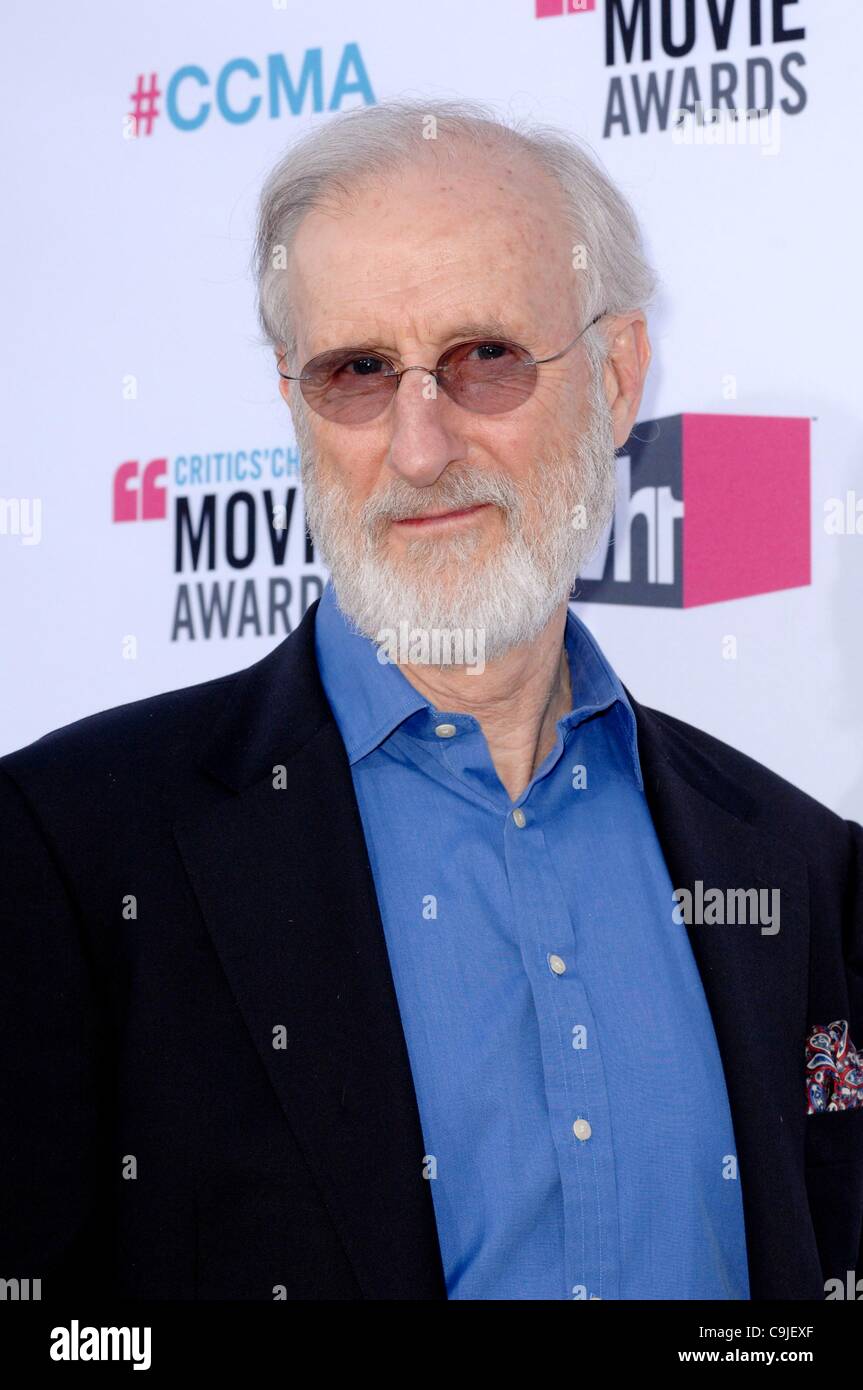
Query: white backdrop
{"x":129,"y":331}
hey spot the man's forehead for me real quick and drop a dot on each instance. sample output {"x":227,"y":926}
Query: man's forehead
{"x":339,"y":259}
{"x":432,"y":263}
{"x":492,"y":301}
{"x":372,"y":300}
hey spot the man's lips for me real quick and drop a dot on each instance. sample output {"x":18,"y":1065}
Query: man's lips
{"x":441,"y":518}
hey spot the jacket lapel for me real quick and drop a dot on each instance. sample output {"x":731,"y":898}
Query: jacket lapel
{"x":757,"y":990}
{"x":292,"y":911}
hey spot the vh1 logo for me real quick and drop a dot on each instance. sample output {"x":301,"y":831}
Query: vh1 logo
{"x":708,"y":508}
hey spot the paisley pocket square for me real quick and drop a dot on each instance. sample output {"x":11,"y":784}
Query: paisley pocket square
{"x":834,"y":1069}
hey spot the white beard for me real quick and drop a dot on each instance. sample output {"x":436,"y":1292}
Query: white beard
{"x":510,"y":595}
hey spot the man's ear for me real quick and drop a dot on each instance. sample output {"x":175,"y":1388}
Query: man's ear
{"x":284,"y":386}
{"x":625,"y":371}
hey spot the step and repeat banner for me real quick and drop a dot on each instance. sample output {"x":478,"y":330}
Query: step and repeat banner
{"x":145,"y":443}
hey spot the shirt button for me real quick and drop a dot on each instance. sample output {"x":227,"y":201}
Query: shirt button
{"x":557,"y":965}
{"x":520,"y":818}
{"x":581,"y":1129}
{"x":445,"y":730}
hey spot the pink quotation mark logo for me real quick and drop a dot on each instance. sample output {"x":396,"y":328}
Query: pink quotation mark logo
{"x":548,"y":9}
{"x":144,"y":500}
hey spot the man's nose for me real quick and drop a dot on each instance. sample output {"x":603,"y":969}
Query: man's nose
{"x":423,"y":441}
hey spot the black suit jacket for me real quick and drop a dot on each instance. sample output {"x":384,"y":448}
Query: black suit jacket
{"x":168,"y":913}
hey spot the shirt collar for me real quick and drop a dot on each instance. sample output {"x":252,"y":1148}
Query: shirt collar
{"x":370,"y":698}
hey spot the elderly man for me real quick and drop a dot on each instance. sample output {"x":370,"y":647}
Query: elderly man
{"x":408,"y":1008}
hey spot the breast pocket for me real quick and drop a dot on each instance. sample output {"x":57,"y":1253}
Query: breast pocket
{"x":834,"y":1136}
{"x":834,"y":1182}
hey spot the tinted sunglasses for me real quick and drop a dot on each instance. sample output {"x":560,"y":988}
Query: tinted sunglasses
{"x":487,"y":376}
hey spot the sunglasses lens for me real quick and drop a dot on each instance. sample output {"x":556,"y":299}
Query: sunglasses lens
{"x":348,"y":389}
{"x":489,"y":378}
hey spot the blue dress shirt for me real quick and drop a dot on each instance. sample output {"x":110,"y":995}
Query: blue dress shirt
{"x":578,"y":1138}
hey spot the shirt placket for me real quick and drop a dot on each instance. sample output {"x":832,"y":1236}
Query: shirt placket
{"x":575,"y":1086}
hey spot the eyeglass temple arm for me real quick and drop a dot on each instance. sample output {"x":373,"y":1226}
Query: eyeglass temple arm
{"x":570,"y":346}
{"x":284,"y":375}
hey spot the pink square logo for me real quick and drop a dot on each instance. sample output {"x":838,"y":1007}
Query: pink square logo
{"x":549,"y":9}
{"x":746,"y":496}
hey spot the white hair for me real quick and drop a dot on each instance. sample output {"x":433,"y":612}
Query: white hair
{"x":370,"y":141}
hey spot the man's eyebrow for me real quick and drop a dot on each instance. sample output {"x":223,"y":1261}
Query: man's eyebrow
{"x":472,"y":328}
{"x":482,"y":328}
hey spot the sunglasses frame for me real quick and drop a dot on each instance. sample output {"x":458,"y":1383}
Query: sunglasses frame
{"x":399,"y":372}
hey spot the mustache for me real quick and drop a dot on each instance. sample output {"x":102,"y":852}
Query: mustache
{"x":453,"y":492}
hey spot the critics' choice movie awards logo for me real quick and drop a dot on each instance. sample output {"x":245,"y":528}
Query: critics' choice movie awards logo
{"x":660,"y":35}
{"x":707,"y":508}
{"x":218,"y":533}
